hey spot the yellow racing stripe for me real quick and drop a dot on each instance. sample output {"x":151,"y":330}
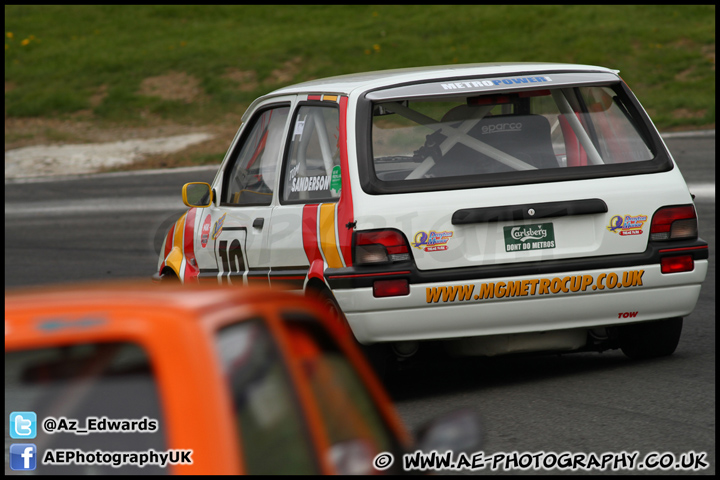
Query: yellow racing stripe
{"x":178,"y":234}
{"x":327,"y":235}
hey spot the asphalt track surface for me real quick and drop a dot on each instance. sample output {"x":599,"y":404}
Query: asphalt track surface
{"x":110,"y":226}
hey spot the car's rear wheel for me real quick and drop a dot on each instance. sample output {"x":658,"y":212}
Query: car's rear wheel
{"x":331,"y":306}
{"x":377,"y":355}
{"x":650,"y":339}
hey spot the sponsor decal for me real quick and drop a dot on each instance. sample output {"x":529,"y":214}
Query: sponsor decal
{"x":205,"y":234}
{"x":536,"y":287}
{"x":502,"y":127}
{"x":336,"y":179}
{"x":627,"y":224}
{"x":310,"y":184}
{"x":529,"y":237}
{"x":314,"y":183}
{"x":493,"y":83}
{"x":217,"y":229}
{"x":432,"y":241}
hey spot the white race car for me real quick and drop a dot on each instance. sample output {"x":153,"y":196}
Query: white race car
{"x":496,"y":207}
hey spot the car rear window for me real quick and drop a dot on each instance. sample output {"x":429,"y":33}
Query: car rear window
{"x":508,"y":137}
{"x":113,"y":380}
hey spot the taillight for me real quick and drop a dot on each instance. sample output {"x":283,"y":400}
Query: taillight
{"x":680,"y":263}
{"x":374,"y":247}
{"x":674,"y":223}
{"x":391,"y":288}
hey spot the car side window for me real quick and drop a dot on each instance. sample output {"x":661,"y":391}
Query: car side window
{"x":353,"y":422}
{"x":273,"y":435}
{"x":250,"y":178}
{"x":312,"y":170}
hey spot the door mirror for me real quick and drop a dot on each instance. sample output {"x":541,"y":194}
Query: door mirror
{"x":197,"y":194}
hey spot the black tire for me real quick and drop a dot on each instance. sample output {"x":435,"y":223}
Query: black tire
{"x":377,"y":355}
{"x":331,"y":306}
{"x":658,"y":338}
{"x":169,"y":278}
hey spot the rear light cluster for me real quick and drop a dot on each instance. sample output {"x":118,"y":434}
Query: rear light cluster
{"x":674,"y":223}
{"x":375,"y":247}
{"x":383,"y":247}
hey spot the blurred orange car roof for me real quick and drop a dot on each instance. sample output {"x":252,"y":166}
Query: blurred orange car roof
{"x":46,"y":315}
{"x":188,"y":297}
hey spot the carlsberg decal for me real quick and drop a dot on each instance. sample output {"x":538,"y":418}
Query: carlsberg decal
{"x":536,"y":236}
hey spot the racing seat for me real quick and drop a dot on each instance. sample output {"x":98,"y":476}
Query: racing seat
{"x":525,"y":137}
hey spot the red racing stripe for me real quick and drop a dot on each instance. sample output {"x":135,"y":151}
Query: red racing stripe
{"x":309,"y":233}
{"x":310,"y":241}
{"x":169,"y":241}
{"x":345,"y":206}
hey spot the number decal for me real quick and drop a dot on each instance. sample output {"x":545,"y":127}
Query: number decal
{"x":232,"y":258}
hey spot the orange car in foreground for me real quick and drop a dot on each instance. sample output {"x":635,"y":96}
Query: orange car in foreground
{"x":236,"y":380}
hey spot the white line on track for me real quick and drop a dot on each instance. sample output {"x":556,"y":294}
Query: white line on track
{"x":97,"y":205}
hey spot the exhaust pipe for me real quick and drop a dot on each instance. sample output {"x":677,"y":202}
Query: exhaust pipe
{"x":405,"y":349}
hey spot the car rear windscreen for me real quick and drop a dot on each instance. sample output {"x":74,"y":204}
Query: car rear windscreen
{"x":509,"y":137}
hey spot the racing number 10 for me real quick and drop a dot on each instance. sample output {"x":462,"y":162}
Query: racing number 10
{"x":232,"y":256}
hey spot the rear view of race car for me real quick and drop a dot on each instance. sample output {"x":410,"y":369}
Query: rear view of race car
{"x":534,"y":211}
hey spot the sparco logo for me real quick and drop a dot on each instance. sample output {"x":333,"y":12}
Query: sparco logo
{"x":502,"y":127}
{"x":528,"y":233}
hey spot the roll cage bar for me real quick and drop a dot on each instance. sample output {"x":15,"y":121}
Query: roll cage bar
{"x":459,"y":134}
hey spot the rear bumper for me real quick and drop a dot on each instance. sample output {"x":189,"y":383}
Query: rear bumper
{"x":523,"y":303}
{"x":359,"y":277}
